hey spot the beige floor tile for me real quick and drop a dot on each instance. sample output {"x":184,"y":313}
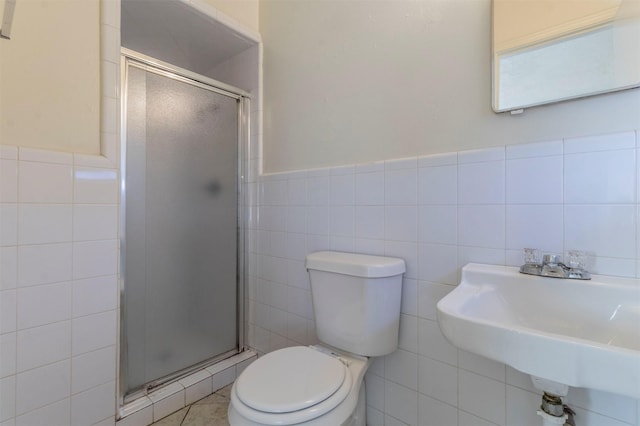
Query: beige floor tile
{"x":174,"y":419}
{"x":225,"y":392}
{"x":213,"y":413}
{"x":209,"y":411}
{"x":211,"y":399}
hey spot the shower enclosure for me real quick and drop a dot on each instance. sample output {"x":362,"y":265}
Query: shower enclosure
{"x":182,"y":233}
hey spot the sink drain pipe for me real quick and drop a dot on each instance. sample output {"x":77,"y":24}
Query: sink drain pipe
{"x":552,"y":410}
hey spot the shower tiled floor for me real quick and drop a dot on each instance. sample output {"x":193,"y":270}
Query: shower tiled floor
{"x":209,"y":411}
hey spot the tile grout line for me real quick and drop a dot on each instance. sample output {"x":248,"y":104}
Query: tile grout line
{"x":186,"y":414}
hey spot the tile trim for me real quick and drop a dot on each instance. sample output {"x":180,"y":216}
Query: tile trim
{"x":237,"y":363}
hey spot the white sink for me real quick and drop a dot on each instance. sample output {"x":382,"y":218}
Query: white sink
{"x":579,"y":333}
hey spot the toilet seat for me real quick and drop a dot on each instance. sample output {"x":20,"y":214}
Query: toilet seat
{"x":290,"y":386}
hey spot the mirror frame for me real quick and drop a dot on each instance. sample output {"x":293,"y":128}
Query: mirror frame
{"x":518,"y":108}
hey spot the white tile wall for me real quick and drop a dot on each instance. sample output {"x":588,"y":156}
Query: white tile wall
{"x":534,"y":180}
{"x":438,"y":213}
{"x":43,"y":345}
{"x":57,"y":413}
{"x":432,"y":412}
{"x":58,"y":251}
{"x":53,"y":372}
{"x":92,"y":369}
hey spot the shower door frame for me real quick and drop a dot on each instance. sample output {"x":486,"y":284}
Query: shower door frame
{"x":146,"y":63}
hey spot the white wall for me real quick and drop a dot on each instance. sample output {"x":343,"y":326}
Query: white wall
{"x":245,"y":12}
{"x":350,"y":82}
{"x":518,"y":23}
{"x":439,"y":212}
{"x":50,"y":76}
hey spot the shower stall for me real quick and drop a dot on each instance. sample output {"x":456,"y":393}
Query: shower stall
{"x":182,"y":260}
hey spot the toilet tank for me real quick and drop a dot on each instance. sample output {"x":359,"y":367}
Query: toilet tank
{"x":356,"y":300}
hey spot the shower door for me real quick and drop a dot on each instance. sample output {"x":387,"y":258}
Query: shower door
{"x":180,"y":204}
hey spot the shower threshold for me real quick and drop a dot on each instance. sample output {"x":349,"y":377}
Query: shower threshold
{"x":176,"y":395}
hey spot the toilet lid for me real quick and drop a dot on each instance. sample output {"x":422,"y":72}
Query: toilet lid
{"x":290,"y":379}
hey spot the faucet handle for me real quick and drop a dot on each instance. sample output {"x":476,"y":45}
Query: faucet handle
{"x":576,"y":259}
{"x":531,"y":256}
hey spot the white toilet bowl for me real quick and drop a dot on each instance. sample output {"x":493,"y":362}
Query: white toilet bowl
{"x":301,"y":385}
{"x":356,"y":304}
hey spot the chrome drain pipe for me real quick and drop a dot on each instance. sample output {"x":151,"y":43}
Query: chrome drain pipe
{"x":554,"y":412}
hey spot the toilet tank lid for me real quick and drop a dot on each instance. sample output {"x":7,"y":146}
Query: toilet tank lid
{"x":359,"y":265}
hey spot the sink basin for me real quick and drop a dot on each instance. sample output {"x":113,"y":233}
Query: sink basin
{"x":579,"y":333}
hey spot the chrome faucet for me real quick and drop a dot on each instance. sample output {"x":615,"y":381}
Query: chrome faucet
{"x":552,"y":266}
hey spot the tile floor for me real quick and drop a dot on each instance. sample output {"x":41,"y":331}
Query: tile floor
{"x":209,"y":411}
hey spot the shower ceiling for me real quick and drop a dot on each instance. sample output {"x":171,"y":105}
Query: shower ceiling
{"x":173,"y":31}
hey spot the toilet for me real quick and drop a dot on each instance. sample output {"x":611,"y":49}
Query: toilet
{"x":356,"y":302}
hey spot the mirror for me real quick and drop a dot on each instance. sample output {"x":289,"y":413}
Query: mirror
{"x":548,"y":51}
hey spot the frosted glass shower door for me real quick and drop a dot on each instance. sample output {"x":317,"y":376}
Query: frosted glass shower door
{"x":181,"y":225}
